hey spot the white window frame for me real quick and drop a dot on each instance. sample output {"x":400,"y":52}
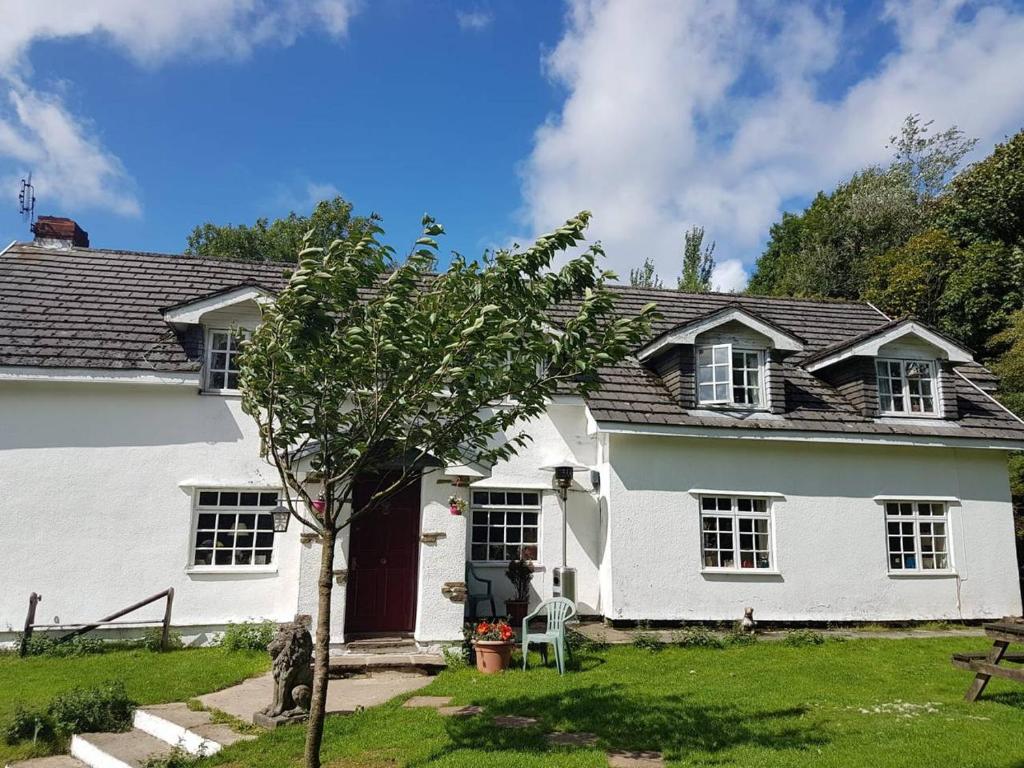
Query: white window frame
{"x":261,"y":509}
{"x":476,"y":506}
{"x":915,"y":519}
{"x":730,"y":350}
{"x":906,"y":395}
{"x":736,"y":515}
{"x":232,"y":352}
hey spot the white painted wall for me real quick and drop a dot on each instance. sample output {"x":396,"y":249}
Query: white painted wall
{"x":829,"y":534}
{"x":91,"y":513}
{"x":559,"y":435}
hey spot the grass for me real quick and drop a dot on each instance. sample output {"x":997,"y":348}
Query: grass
{"x":870,"y":702}
{"x":150,"y":678}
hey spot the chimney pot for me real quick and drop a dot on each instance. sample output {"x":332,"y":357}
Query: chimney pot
{"x":59,"y":232}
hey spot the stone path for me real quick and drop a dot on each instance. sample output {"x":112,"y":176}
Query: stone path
{"x":617,"y":758}
{"x":600,"y":633}
{"x":344,"y":695}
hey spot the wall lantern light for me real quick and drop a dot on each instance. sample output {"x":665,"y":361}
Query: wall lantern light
{"x":281,"y":515}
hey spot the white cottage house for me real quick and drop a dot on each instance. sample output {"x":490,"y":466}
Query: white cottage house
{"x":815,"y":460}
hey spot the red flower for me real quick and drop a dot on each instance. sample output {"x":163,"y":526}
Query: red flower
{"x":483,"y":628}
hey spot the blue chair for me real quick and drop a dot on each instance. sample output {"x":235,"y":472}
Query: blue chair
{"x":557,"y":611}
{"x":475,"y":598}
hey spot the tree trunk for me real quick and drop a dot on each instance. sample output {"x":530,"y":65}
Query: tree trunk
{"x":321,"y":658}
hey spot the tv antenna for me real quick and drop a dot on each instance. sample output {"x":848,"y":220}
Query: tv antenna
{"x":27,"y":200}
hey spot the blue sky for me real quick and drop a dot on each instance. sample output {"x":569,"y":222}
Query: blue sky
{"x":141,"y":120}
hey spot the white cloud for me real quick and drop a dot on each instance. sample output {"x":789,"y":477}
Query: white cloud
{"x":305,"y":197}
{"x":70,"y":165}
{"x":715,"y":113}
{"x":474,"y":21}
{"x":38,"y":134}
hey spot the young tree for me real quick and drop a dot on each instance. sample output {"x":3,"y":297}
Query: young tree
{"x":928,"y":162}
{"x":698,"y":262}
{"x":280,"y":240}
{"x":364,"y":365}
{"x":645,"y":276}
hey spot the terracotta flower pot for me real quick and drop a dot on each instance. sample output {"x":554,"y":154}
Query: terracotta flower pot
{"x":492,"y":656}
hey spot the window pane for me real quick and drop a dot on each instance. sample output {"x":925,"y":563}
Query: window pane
{"x":247,"y":522}
{"x":721,"y":391}
{"x":207,"y":522}
{"x":268,"y":499}
{"x":479,"y":497}
{"x":720,"y":355}
{"x":530,"y":535}
{"x":479,"y":534}
{"x":514,"y":499}
{"x":229,"y":499}
{"x":208,"y":498}
{"x":219,"y":340}
{"x":529,"y":518}
{"x":531,"y":499}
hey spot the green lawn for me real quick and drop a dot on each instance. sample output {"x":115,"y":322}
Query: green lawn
{"x":861,"y":703}
{"x":151,"y":678}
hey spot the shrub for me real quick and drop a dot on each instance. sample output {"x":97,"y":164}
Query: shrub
{"x":697,"y":637}
{"x":178,"y":758}
{"x":739,"y":637}
{"x":105,"y":707}
{"x":802,"y":637}
{"x":41,"y":645}
{"x":648,"y":641}
{"x":580,"y":643}
{"x":456,"y":656}
{"x":248,"y":636}
{"x":152,"y":640}
{"x":28,"y":725}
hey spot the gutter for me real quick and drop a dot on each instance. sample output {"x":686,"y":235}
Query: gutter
{"x":806,"y":436}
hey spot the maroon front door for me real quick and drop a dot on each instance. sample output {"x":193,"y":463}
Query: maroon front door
{"x":383,"y":559}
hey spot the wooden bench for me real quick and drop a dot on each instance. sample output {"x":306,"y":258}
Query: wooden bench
{"x":985,"y":664}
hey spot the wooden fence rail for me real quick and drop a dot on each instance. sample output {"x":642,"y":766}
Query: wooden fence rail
{"x":107,"y":621}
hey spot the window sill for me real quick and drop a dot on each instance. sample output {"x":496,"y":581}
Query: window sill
{"x":537,"y":567}
{"x":923,"y":574}
{"x":232,"y":393}
{"x":741,"y":572}
{"x":230,"y":570}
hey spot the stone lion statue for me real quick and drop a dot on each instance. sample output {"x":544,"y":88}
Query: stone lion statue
{"x":291,"y":652}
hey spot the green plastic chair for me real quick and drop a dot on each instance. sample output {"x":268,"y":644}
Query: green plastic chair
{"x":557,"y":611}
{"x":475,"y":598}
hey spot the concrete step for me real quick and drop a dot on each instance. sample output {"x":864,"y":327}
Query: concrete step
{"x":117,"y":750}
{"x":380,"y":645}
{"x":56,"y":761}
{"x":348,"y":664}
{"x":176,"y":724}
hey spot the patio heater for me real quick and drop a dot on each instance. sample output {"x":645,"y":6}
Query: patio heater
{"x":563,"y":577}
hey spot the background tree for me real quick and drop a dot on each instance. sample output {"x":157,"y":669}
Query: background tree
{"x":645,"y":276}
{"x":986,"y":200}
{"x":281,"y":239}
{"x":364,"y":365}
{"x":828,"y":249}
{"x":698,"y":262}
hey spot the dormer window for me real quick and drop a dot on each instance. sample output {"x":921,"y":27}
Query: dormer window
{"x":730,"y":376}
{"x":222,"y":350}
{"x":906,"y":387}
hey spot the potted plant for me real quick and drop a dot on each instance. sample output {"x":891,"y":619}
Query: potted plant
{"x":493,"y":641}
{"x":520,"y":573}
{"x":456,"y":505}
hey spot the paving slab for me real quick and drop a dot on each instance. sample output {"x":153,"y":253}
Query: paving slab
{"x":432,"y":702}
{"x":514,"y":721}
{"x":456,"y":711}
{"x":344,"y":695}
{"x":626,"y":758}
{"x":567,"y":739}
{"x":55,"y":761}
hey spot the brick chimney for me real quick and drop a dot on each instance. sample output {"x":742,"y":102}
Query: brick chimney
{"x":58,"y":232}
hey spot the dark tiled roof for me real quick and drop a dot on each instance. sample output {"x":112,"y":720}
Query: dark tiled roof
{"x":94,"y":308}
